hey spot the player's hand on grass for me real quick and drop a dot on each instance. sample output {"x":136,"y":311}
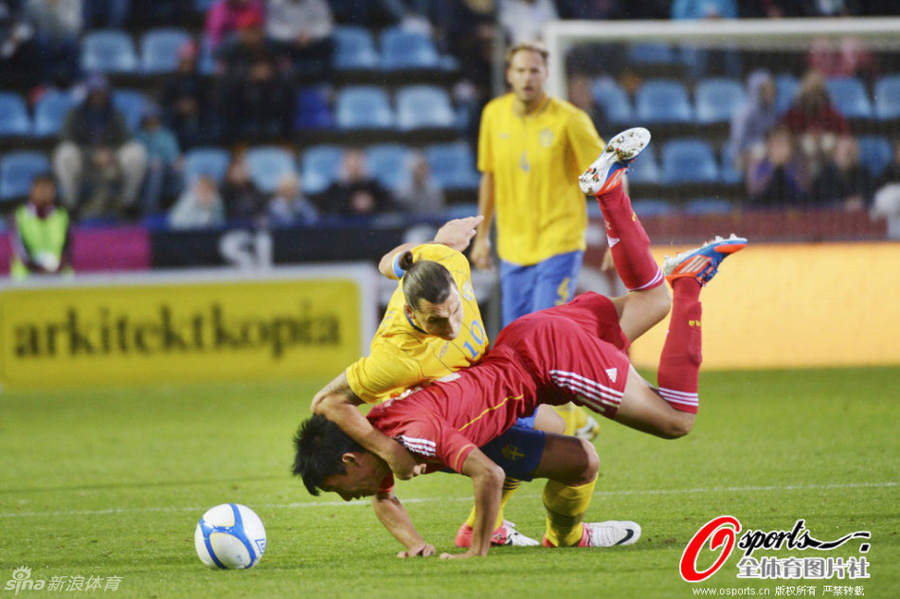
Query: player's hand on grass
{"x":458,"y":232}
{"x":465,"y":555}
{"x":481,"y":253}
{"x":421,"y":550}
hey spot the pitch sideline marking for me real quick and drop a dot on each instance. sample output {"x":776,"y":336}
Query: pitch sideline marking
{"x":314,"y":504}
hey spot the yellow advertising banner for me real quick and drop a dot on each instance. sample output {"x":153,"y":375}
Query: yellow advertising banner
{"x":796,"y":306}
{"x":184,"y":331}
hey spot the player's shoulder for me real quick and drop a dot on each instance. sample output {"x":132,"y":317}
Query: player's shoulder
{"x":500,"y":103}
{"x":565,"y":109}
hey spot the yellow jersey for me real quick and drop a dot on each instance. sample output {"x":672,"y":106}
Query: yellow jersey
{"x":536,"y":161}
{"x":402,"y":355}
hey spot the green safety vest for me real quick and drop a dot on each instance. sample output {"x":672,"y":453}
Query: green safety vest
{"x":39,"y":235}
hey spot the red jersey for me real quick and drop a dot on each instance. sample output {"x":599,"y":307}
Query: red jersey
{"x":574,"y":352}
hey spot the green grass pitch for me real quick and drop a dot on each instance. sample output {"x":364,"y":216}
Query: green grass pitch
{"x":111,"y":484}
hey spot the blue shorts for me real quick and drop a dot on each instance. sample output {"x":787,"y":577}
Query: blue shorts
{"x":527,"y":289}
{"x":518,"y":451}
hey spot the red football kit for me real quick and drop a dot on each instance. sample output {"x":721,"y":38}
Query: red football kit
{"x":574,"y":352}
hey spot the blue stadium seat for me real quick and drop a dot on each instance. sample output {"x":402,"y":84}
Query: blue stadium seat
{"x":716,"y":100}
{"x":14,"y":119}
{"x":850,"y":97}
{"x":648,"y":208}
{"x":689,"y":161}
{"x":402,"y":49}
{"x":453,"y":165}
{"x":389,"y":164}
{"x":424,"y":107}
{"x":312,"y":111}
{"x":202,"y":6}
{"x":209,"y":161}
{"x":131,"y":104}
{"x":786,"y":87}
{"x":650,"y":53}
{"x":108,"y":51}
{"x":463,"y":210}
{"x":645,"y":168}
{"x":887,"y":97}
{"x":662,"y":101}
{"x":354,"y":48}
{"x":613,"y":99}
{"x":320,"y":167}
{"x":728,"y":173}
{"x":267,"y":165}
{"x":159,"y":49}
{"x":50,"y":112}
{"x":875,"y":153}
{"x":363,"y":107}
{"x":707,"y":206}
{"x":17,"y":169}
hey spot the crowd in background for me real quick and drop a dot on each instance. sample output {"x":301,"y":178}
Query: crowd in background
{"x":261,"y":52}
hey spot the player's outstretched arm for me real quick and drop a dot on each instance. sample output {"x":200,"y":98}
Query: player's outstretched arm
{"x":481,"y":246}
{"x":487,"y":479}
{"x":396,"y":520}
{"x":338,"y":403}
{"x":455,"y":234}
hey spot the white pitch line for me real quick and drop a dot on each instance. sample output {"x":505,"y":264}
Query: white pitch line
{"x":316,"y":504}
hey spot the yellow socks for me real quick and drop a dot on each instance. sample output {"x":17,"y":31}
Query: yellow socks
{"x":566,"y":507}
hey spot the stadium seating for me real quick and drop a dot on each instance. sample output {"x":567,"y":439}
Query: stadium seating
{"x":716,"y":100}
{"x":610,"y":96}
{"x":645,"y":169}
{"x":453,"y":165}
{"x":312,"y":110}
{"x":662,"y":101}
{"x":389,"y":164}
{"x":887,"y":97}
{"x":423,"y":107}
{"x":707,"y":206}
{"x":403,"y":49}
{"x":850,"y":97}
{"x":648,"y":207}
{"x":320,"y":167}
{"x":363,"y":107}
{"x":267,"y":165}
{"x":689,"y":161}
{"x":208,"y":161}
{"x":159,"y":49}
{"x":131,"y":104}
{"x":50,"y":112}
{"x":17,"y":169}
{"x":875,"y":153}
{"x":108,"y":51}
{"x":14,"y":119}
{"x":354,"y":48}
{"x":729,"y":174}
{"x":650,"y":53}
{"x":786,"y":87}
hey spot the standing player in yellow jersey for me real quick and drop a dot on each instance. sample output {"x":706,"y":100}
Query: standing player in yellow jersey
{"x":426,"y":333}
{"x":531,"y":150}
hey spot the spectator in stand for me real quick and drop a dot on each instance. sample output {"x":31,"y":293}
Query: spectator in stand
{"x":844,"y":181}
{"x":523,"y":20}
{"x":356,"y":193}
{"x":223,"y":17}
{"x":831,"y":8}
{"x":243,"y":201}
{"x":20,"y":65}
{"x":103,"y":13}
{"x":163,"y":159}
{"x":887,"y":199}
{"x":780,"y":178}
{"x":185,"y":99}
{"x":199,"y":207}
{"x":753,"y":121}
{"x":594,"y":9}
{"x":95,"y":140}
{"x":704,"y":9}
{"x":704,"y":62}
{"x":58,"y":26}
{"x":40,"y":238}
{"x":814,"y":120}
{"x":421,"y":195}
{"x":254,"y":96}
{"x":845,"y":57}
{"x":304,"y":27}
{"x":288,"y":206}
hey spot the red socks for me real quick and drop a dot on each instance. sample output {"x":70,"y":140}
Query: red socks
{"x":679,"y":364}
{"x":628,"y":242}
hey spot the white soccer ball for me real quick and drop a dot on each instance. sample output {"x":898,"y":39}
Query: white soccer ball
{"x":230,"y":536}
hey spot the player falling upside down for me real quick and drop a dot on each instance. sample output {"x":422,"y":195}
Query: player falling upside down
{"x":574,"y":352}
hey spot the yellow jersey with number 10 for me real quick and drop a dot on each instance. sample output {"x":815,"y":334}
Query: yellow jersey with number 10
{"x":536,"y":161}
{"x":402,"y":355}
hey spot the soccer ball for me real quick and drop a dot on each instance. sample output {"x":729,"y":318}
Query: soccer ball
{"x":230,"y":536}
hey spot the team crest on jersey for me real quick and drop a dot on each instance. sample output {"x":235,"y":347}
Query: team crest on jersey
{"x":467,"y":292}
{"x":546,"y":138}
